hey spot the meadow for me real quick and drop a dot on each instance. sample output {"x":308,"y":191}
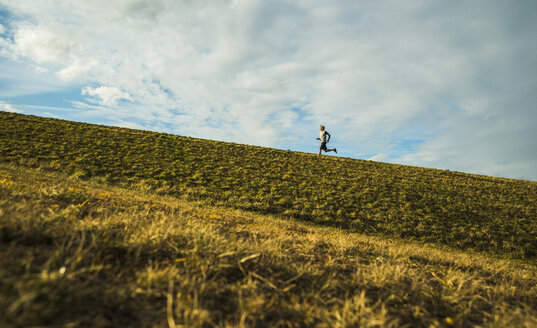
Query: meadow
{"x":84,"y":253}
{"x":104,"y":226}
{"x":459,"y":210}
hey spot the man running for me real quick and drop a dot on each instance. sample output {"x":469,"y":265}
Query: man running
{"x":324,"y":141}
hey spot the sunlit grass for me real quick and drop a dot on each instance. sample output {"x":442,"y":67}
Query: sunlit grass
{"x":70,"y":256}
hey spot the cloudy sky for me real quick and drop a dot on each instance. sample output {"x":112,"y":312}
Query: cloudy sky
{"x":443,"y":84}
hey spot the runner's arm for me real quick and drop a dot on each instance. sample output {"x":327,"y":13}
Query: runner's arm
{"x":328,"y":140}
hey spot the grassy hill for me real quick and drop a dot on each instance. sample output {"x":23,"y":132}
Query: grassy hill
{"x":456,"y":209}
{"x":104,"y":226}
{"x":77,"y":253}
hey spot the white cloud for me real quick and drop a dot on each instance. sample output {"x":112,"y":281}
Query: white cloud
{"x":266,"y":72}
{"x":107,"y":96}
{"x":75,"y":70}
{"x":41,"y":70}
{"x":378,"y":157}
{"x":130,"y":125}
{"x":8,"y":108}
{"x":41,"y":44}
{"x":2,"y":29}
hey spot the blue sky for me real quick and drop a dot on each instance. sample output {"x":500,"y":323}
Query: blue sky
{"x":450,"y":85}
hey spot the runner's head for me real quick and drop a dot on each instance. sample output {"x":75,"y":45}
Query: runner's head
{"x":322,"y":127}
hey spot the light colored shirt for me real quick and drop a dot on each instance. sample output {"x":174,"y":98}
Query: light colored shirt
{"x":322,"y":135}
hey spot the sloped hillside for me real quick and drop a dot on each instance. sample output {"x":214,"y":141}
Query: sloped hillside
{"x":451,"y":208}
{"x":77,"y":253}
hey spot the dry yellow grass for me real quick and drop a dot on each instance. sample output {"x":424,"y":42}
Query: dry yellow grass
{"x":78,"y":253}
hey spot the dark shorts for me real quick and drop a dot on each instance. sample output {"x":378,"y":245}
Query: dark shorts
{"x":323,"y":146}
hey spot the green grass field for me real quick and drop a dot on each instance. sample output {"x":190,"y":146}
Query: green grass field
{"x":103,"y":226}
